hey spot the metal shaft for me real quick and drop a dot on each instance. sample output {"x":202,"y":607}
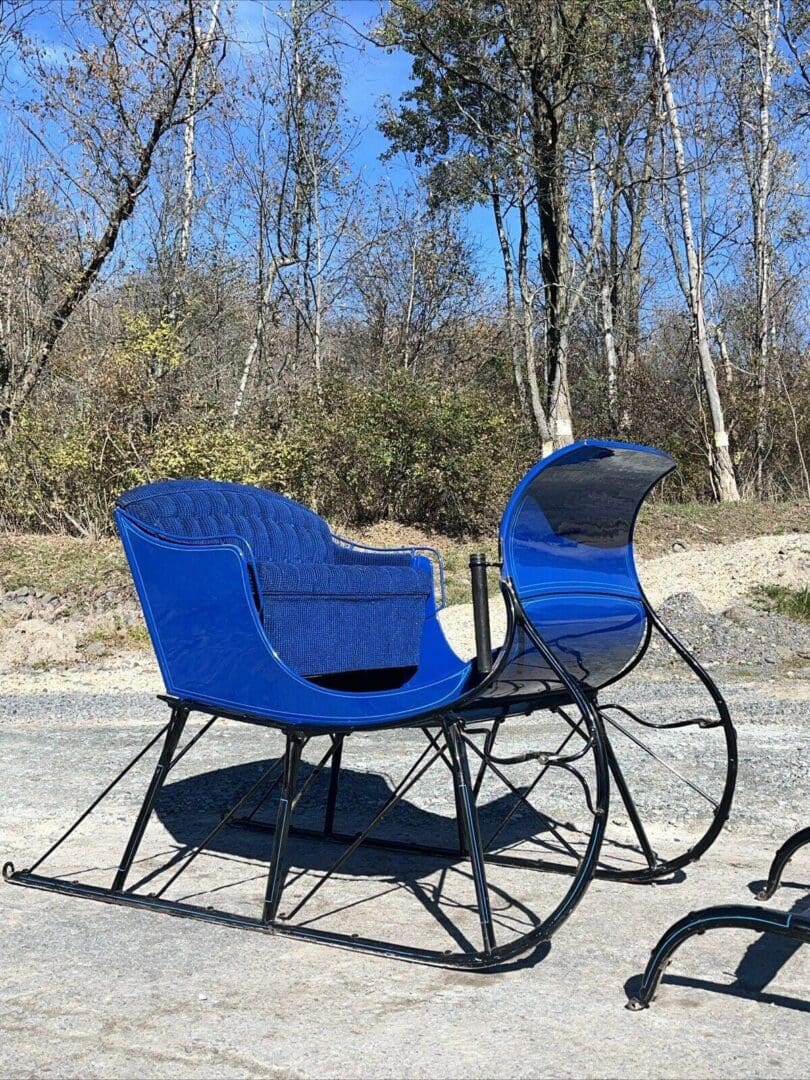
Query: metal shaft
{"x":278,"y":863}
{"x":480,"y":599}
{"x":472,"y":831}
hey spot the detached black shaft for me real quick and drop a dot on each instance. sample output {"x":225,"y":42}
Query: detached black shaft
{"x":480,"y":599}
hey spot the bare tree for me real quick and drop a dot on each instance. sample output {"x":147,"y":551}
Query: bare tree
{"x":189,"y":129}
{"x":304,"y":202}
{"x":755,"y":24}
{"x":114,"y":101}
{"x":721,"y":458}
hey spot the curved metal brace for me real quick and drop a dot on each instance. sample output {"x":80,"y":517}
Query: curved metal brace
{"x":696,"y":721}
{"x":730,"y":916}
{"x":781,"y":859}
{"x":544,"y":757}
{"x":723,"y":806}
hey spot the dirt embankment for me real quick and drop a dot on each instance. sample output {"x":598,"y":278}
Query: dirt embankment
{"x":721,"y":574}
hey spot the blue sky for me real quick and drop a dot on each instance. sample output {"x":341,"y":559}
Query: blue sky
{"x":370,"y":75}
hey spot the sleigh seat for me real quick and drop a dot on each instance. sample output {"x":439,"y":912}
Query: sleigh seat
{"x":329,"y":608}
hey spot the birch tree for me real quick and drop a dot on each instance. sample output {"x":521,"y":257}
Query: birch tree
{"x":189,"y":132}
{"x":721,"y":458}
{"x":755,"y":26}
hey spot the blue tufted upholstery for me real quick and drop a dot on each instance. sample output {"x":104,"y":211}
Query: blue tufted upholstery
{"x":326,"y":608}
{"x":276,"y":528}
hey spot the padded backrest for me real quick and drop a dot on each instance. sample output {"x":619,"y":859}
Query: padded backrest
{"x":277,"y":529}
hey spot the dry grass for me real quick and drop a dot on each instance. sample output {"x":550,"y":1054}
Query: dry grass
{"x":63,"y":565}
{"x":117,"y":634}
{"x":794,"y":603}
{"x":85,"y":569}
{"x":660,"y":524}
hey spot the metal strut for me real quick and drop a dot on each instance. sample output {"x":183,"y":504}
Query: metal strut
{"x":781,"y":859}
{"x":278,"y":866}
{"x":173,"y":733}
{"x":471,"y":828}
{"x":334,"y":782}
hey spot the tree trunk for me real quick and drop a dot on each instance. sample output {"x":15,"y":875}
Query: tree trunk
{"x":725,"y":359}
{"x":766,"y":16}
{"x":611,"y":356}
{"x":189,"y":153}
{"x":527,"y":319}
{"x":258,"y":334}
{"x":509,"y":284}
{"x":723,"y":467}
{"x":637,"y":212}
{"x":607,"y":264}
{"x":406,"y":328}
{"x":317,"y":285}
{"x":555,"y":262}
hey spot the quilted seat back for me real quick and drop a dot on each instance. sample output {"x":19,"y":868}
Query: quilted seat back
{"x":277,"y":529}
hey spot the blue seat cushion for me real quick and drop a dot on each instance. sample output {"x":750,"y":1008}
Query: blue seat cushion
{"x":323,"y":618}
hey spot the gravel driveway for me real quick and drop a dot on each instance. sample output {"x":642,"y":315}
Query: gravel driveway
{"x":95,"y":991}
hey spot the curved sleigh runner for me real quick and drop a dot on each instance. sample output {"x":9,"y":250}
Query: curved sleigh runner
{"x":793,"y":924}
{"x":258,"y":614}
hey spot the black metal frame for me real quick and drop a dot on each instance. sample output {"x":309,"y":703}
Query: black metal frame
{"x":783,"y":856}
{"x":450,"y":739}
{"x":790,"y":924}
{"x":446,"y":741}
{"x":657,"y":868}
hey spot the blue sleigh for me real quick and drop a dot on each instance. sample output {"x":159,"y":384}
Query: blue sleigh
{"x":258,"y":614}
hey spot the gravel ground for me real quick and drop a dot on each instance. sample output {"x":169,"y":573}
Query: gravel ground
{"x":94,"y":991}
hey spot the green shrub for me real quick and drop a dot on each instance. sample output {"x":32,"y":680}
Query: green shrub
{"x":212,"y":450}
{"x":397,"y":448}
{"x":792,"y":602}
{"x":68,"y":480}
{"x":407,"y":450}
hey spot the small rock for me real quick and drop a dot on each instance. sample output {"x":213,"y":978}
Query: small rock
{"x":94,"y":650}
{"x":679,"y":545}
{"x":741,"y":614}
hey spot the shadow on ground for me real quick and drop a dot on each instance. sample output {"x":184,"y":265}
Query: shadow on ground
{"x":190,"y":807}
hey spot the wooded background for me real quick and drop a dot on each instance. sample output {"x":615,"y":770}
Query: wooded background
{"x":198,"y":278}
